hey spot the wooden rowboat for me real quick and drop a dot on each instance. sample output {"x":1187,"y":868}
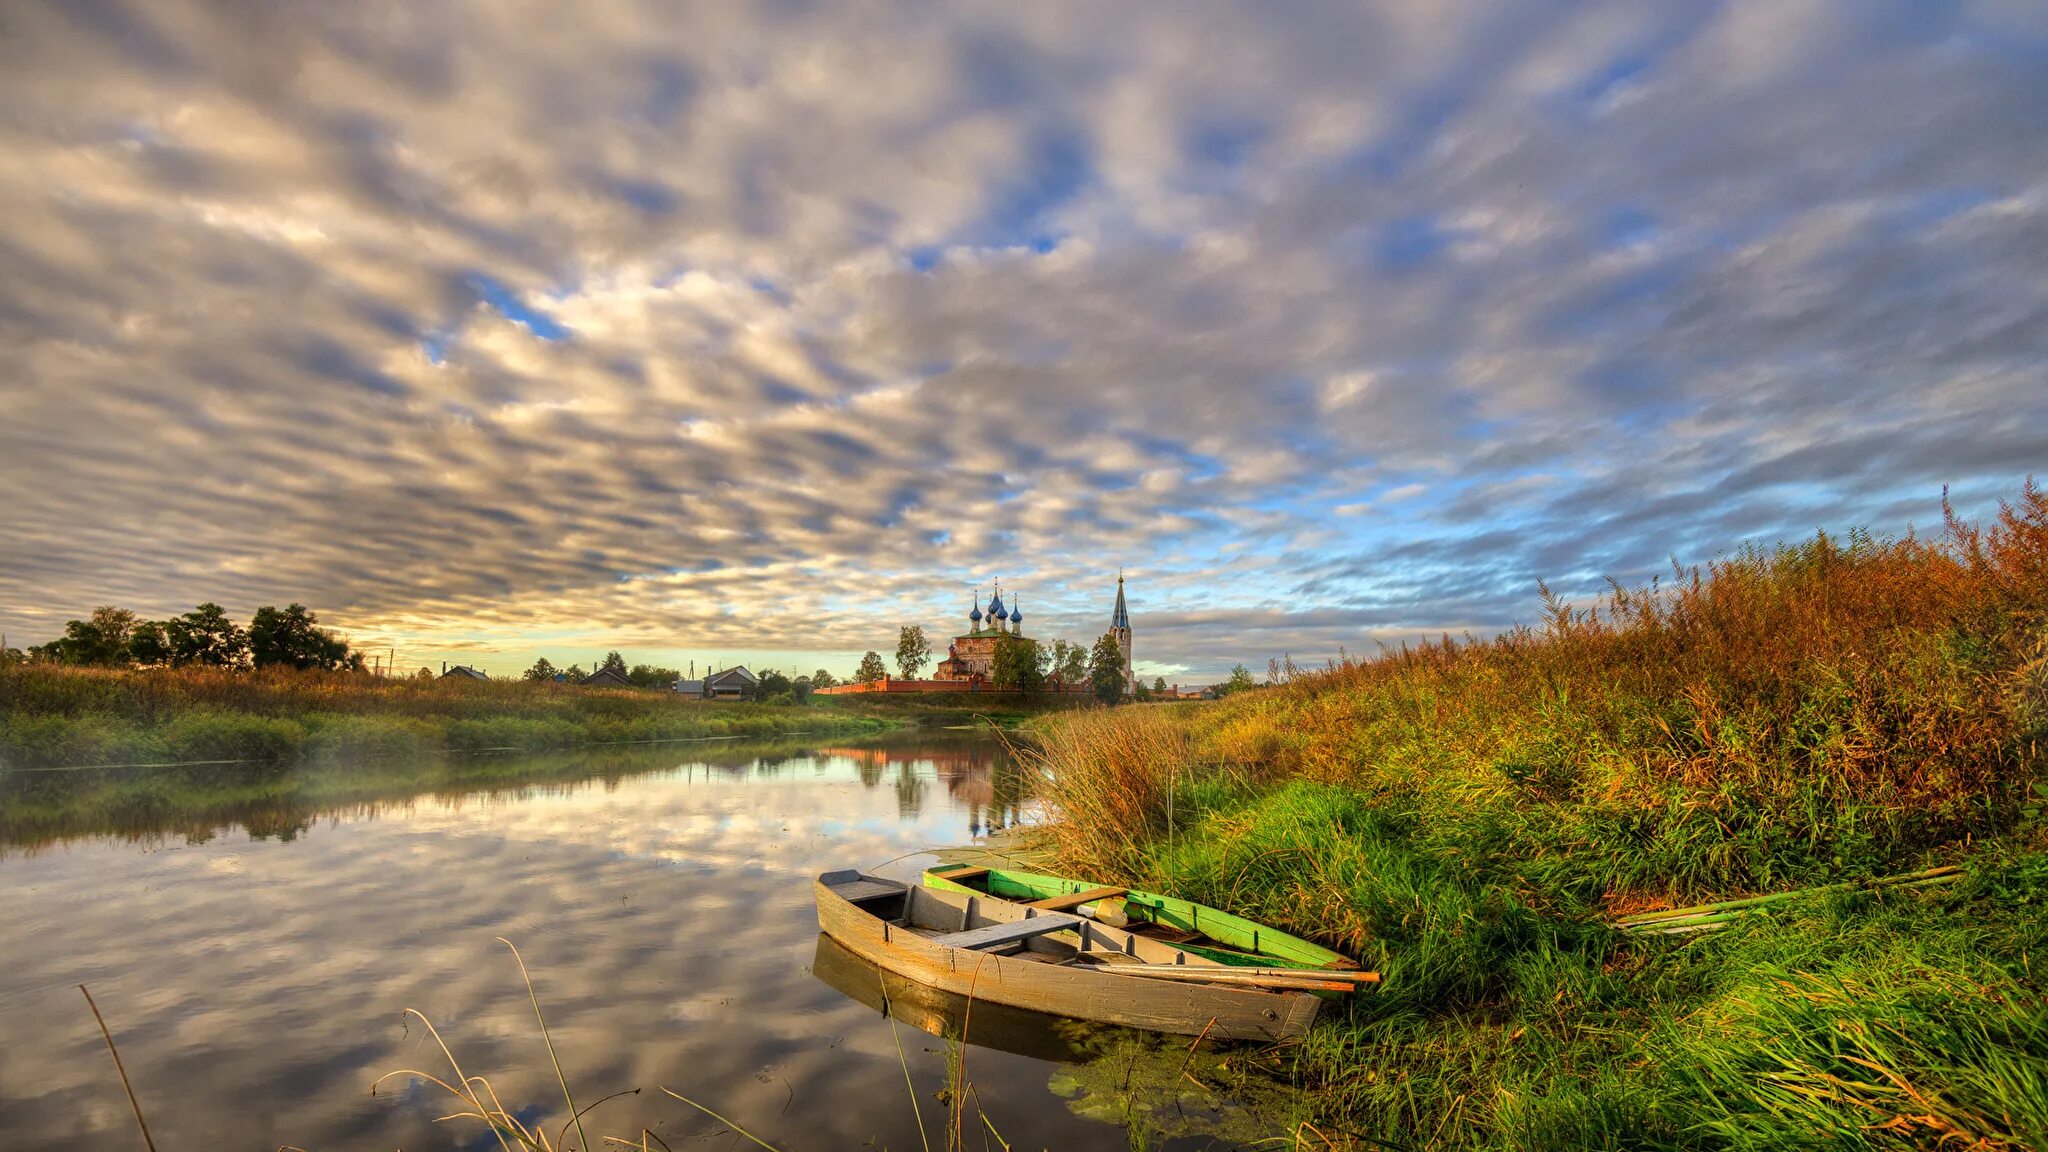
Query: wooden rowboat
{"x":992,"y":950}
{"x":1195,"y":928}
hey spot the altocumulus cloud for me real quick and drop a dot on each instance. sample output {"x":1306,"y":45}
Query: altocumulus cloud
{"x":769,"y":325}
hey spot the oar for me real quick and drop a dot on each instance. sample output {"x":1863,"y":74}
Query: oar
{"x":1712,"y":915}
{"x":1290,"y":979}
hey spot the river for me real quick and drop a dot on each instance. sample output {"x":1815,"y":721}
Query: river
{"x":256,"y":935}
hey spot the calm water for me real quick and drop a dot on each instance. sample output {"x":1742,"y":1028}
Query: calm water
{"x":254,"y":938}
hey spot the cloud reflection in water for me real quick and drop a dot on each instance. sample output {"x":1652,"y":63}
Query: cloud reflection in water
{"x":256,"y":986}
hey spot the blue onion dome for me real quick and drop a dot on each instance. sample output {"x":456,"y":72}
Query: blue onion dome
{"x":976,"y":614}
{"x":1017,"y":615}
{"x":996,"y":611}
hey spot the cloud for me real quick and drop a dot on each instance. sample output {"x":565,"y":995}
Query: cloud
{"x":773,"y":327}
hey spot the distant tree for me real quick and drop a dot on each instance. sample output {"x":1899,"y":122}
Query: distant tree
{"x":574,"y":674}
{"x":1070,"y":660}
{"x":1016,"y":664}
{"x":823,"y":679}
{"x":1106,"y":669}
{"x":100,"y":639}
{"x":1240,"y":680}
{"x":913,"y":651}
{"x":613,"y":662}
{"x":293,"y":638}
{"x":775,"y":684}
{"x":542,"y":670}
{"x":12,"y":656}
{"x":871,"y":668}
{"x":149,"y":644}
{"x":206,"y":636}
{"x":1159,"y":684}
{"x":425,"y":673}
{"x":653,"y":676}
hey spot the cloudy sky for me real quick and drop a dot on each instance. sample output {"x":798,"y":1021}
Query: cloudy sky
{"x":748,"y":331}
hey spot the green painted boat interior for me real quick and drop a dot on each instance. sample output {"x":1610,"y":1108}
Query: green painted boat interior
{"x":1221,"y":936}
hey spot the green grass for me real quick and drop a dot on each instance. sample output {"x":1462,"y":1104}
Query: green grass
{"x":1470,"y":816}
{"x":53,"y":715}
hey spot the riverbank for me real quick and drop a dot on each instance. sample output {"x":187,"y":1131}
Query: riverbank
{"x":52,"y":715}
{"x":1468,"y":818}
{"x":947,"y":709}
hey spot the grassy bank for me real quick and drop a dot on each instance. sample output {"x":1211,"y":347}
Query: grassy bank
{"x":1468,"y":817}
{"x":928,"y":709}
{"x":51,"y":715}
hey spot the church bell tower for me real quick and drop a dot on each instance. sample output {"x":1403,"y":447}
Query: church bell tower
{"x":1120,"y":627}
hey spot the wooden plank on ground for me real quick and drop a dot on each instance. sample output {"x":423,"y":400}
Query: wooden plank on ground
{"x":997,"y":935}
{"x":1075,"y":899}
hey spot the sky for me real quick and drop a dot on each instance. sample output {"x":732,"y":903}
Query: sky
{"x":752,"y":331}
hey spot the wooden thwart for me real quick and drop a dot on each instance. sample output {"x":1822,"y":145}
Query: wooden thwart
{"x":1016,"y":932}
{"x":857,"y":891}
{"x":1073,"y":900}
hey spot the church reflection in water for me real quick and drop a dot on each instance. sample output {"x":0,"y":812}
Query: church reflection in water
{"x":979,"y":775}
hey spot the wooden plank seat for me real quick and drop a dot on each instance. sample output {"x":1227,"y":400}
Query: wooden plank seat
{"x":861,"y":891}
{"x":963,"y":875}
{"x":1000,"y":935}
{"x":1074,"y":900}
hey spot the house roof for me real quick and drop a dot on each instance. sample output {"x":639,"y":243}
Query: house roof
{"x":740,"y":673}
{"x":607,"y":676}
{"x":465,"y":672}
{"x":696,"y":686}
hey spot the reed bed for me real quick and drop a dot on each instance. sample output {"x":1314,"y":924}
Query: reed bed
{"x":1472,"y":817}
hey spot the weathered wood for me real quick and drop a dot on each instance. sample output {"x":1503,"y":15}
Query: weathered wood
{"x":963,"y":875}
{"x":1300,"y":979}
{"x":1015,"y":932}
{"x":860,"y":891}
{"x":1241,"y":1012}
{"x":1075,"y":899}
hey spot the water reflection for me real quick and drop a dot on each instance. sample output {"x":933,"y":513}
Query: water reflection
{"x":254,"y":937}
{"x":948,"y":1016}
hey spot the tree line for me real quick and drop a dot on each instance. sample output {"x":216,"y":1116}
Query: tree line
{"x":206,"y":637}
{"x":773,"y":687}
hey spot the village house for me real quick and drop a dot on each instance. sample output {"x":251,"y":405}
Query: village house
{"x":607,"y":678}
{"x":462,"y":672}
{"x":735,"y":683}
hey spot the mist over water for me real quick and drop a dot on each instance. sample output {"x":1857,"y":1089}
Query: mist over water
{"x":256,"y":982}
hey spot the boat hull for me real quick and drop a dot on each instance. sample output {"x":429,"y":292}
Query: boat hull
{"x":1081,"y":993}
